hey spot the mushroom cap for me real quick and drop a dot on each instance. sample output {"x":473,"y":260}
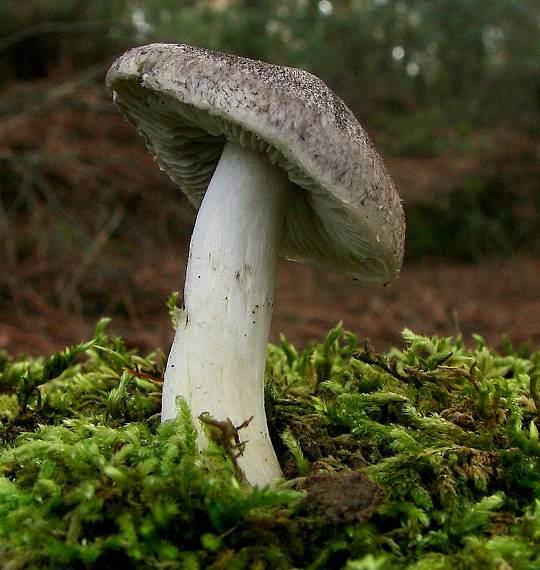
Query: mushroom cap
{"x":344,"y":212}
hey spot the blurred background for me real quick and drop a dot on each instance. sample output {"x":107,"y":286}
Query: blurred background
{"x":449,"y":92}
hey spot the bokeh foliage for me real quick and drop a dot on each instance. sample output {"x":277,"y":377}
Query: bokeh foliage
{"x":459,"y":62}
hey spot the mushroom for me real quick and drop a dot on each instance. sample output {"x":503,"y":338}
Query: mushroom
{"x":277,"y":166}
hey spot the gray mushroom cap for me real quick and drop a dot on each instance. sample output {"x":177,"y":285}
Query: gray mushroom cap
{"x":344,"y":212}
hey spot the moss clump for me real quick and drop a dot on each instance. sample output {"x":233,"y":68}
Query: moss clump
{"x":425,"y":458}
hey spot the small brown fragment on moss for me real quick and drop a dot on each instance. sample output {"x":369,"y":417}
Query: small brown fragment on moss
{"x":344,"y":497}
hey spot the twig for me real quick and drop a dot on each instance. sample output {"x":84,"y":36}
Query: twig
{"x":56,"y":28}
{"x":93,"y":251}
{"x":29,"y":175}
{"x":368,"y":357}
{"x":52,"y":96}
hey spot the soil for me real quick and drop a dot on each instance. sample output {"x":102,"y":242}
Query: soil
{"x":495,"y":299}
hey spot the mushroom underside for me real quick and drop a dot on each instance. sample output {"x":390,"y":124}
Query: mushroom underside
{"x":319,"y":229}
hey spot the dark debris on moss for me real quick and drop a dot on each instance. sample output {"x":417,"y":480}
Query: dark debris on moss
{"x":424,"y":458}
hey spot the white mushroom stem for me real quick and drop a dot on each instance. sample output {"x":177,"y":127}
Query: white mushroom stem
{"x":218,"y":357}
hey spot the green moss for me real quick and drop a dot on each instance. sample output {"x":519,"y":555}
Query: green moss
{"x":428,"y":458}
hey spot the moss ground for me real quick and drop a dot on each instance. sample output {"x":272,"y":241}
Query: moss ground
{"x":423,"y":458}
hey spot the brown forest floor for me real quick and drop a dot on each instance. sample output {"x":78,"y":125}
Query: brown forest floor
{"x":54,"y":294}
{"x":493,"y":299}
